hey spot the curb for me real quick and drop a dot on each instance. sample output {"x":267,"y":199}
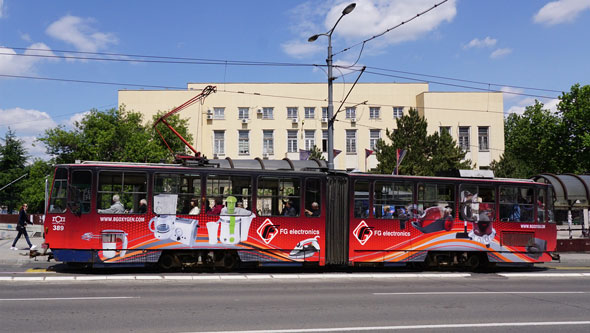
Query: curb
{"x":216,"y":277}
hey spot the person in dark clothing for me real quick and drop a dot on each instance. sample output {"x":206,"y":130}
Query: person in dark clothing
{"x":218,"y":207}
{"x":142,"y":206}
{"x":23,"y":219}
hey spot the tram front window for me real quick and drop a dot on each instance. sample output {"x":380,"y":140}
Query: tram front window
{"x":57,"y":202}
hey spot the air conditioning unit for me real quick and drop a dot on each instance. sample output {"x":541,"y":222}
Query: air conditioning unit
{"x":265,"y":155}
{"x":353,"y":120}
{"x":209,"y":116}
{"x":209,"y":112}
{"x":245,"y":121}
{"x":295,"y":120}
{"x":259,"y":111}
{"x":325,"y":120}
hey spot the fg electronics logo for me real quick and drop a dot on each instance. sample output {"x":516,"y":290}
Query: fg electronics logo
{"x":58,"y":220}
{"x":267,"y":231}
{"x":362,"y":232}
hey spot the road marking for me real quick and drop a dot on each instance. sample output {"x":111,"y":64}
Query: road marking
{"x":541,"y":274}
{"x":410,"y":327}
{"x":36,"y":270}
{"x":483,"y":292}
{"x":67,"y":298}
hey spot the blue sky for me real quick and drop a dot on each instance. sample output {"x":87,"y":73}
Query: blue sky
{"x":503,"y":44}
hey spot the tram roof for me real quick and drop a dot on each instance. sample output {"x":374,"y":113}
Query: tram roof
{"x":228,"y":163}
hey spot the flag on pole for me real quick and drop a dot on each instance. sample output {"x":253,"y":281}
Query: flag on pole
{"x":336,"y":152}
{"x":304,"y":154}
{"x":399,"y":155}
{"x":368,"y":152}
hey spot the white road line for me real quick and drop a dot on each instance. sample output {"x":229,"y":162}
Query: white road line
{"x":66,"y":298}
{"x":483,"y":293}
{"x":410,"y":327}
{"x":541,"y":274}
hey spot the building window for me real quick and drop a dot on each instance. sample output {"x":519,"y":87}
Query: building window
{"x":218,"y":142}
{"x":243,"y":113}
{"x":324,"y":141}
{"x":374,"y":136}
{"x":219,"y":113}
{"x":351,"y":141}
{"x":292,"y":141}
{"x":464,"y":138}
{"x":309,"y":139}
{"x":267,"y":113}
{"x":292,"y":112}
{"x":325,"y":112}
{"x":243,"y":142}
{"x":483,"y":135}
{"x":374,"y":112}
{"x":350,"y":112}
{"x":309,"y":113}
{"x":398,"y":112}
{"x":444,"y":129}
{"x":268,"y":142}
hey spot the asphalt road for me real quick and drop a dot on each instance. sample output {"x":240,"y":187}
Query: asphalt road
{"x":478,"y":302}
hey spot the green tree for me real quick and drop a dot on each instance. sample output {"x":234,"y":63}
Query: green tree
{"x":534,"y":143}
{"x":113,"y":135}
{"x":13,"y":157}
{"x":316,"y":153}
{"x":426,"y":154}
{"x":34,"y":185}
{"x":574,"y":108}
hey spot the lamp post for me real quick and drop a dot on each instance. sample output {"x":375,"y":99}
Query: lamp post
{"x":346,"y":10}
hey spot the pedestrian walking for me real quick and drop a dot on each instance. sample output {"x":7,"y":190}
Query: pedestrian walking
{"x":21,"y":227}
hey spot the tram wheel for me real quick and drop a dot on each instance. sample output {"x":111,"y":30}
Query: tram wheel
{"x":168,"y":261}
{"x":475,"y":262}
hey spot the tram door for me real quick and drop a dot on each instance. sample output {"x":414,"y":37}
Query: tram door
{"x":79,"y":206}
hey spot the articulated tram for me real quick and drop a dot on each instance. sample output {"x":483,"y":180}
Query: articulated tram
{"x":226,"y":213}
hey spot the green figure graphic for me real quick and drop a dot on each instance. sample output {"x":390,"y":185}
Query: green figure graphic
{"x":231,"y":205}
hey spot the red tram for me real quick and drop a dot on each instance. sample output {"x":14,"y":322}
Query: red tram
{"x":226,"y":212}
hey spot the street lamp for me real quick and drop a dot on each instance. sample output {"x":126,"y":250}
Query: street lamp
{"x":346,"y":10}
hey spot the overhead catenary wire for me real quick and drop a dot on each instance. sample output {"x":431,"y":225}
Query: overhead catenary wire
{"x":222,"y":62}
{"x":392,"y":28}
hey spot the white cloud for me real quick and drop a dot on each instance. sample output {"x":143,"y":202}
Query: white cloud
{"x":561,"y":11}
{"x":369,"y":18}
{"x":1,"y":8}
{"x":79,"y":32}
{"x":14,"y":64}
{"x":500,"y":53}
{"x":299,"y":49}
{"x":25,"y":122}
{"x":479,"y":43}
{"x":75,"y":118}
{"x":520,"y":106}
{"x":511,"y":93}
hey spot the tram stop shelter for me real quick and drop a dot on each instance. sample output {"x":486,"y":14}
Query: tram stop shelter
{"x":572,"y":198}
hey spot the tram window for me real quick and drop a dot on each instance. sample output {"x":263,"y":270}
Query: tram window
{"x":361,"y":199}
{"x":80,"y":193}
{"x":392,"y":200}
{"x":436,"y":195}
{"x":219,"y":187}
{"x":313,"y":197}
{"x":516,"y":204}
{"x":57,"y":202}
{"x":186,"y":187}
{"x":128,"y":187}
{"x":541,"y":199}
{"x":549,"y":205}
{"x":478,"y":203}
{"x":278,"y":196}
